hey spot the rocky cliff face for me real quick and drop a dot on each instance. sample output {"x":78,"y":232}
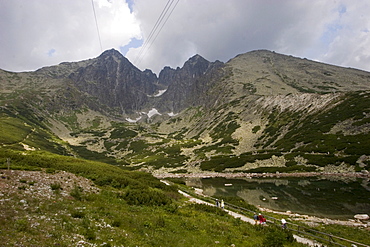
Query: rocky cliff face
{"x":188,"y":85}
{"x":115,"y":82}
{"x":110,"y":80}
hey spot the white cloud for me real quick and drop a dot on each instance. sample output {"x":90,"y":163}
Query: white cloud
{"x":43,"y":32}
{"x":221,"y":29}
{"x":351,"y":44}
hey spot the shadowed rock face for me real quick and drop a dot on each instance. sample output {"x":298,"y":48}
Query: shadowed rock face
{"x":188,"y":85}
{"x":112,"y":81}
{"x":115,"y":82}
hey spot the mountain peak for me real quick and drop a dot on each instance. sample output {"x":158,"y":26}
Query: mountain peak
{"x":196,"y":61}
{"x":111,"y":53}
{"x":197,"y":58}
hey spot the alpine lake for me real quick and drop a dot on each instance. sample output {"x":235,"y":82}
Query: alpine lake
{"x":327,"y":197}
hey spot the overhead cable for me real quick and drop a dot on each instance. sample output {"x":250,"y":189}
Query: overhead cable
{"x":160,"y":18}
{"x":163,"y":24}
{"x":159,"y":23}
{"x":96,"y":24}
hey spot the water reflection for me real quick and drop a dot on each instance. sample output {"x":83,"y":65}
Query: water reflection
{"x":336,"y":197}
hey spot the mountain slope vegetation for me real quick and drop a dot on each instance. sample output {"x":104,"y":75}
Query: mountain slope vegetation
{"x":49,"y":199}
{"x":261,"y":112}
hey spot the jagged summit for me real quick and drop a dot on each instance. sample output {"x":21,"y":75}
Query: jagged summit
{"x":196,"y":65}
{"x":115,"y":55}
{"x":187,"y":85}
{"x":196,"y":58}
{"x":111,"y":52}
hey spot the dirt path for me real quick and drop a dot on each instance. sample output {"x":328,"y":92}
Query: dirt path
{"x":299,"y":239}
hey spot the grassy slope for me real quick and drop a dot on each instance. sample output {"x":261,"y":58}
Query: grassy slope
{"x":132,"y":209}
{"x":333,"y":136}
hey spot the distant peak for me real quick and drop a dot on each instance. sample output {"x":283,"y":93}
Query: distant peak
{"x":111,"y":52}
{"x":116,"y":55}
{"x":196,"y":57}
{"x":257,"y":52}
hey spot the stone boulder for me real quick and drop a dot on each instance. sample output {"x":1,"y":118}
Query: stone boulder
{"x":361,"y":217}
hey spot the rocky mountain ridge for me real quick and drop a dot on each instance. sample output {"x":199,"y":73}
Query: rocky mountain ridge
{"x":260,"y":109}
{"x":114,"y":82}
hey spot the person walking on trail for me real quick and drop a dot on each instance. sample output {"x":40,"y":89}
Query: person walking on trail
{"x":283,"y":223}
{"x":217,"y":203}
{"x":222,"y":204}
{"x":255,"y":217}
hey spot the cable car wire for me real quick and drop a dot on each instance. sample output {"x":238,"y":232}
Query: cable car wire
{"x":163,"y":24}
{"x":158,"y":23}
{"x":96,"y":23}
{"x":160,"y":18}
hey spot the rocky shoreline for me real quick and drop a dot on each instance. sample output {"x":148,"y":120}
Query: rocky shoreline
{"x":314,"y":220}
{"x":259,"y":175}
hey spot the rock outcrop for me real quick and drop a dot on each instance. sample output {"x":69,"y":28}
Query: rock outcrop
{"x":187,"y":86}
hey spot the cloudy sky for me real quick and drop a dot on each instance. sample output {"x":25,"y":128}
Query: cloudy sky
{"x":41,"y":33}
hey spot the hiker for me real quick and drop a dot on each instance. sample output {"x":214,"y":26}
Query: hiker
{"x":260,"y":217}
{"x":222,"y":204}
{"x":283,"y":223}
{"x":217,"y":203}
{"x":255,"y":217}
{"x":263,"y":220}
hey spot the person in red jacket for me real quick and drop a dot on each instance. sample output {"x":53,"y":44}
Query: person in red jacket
{"x":260,"y":218}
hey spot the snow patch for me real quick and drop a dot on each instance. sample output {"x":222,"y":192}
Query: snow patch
{"x":171,"y":114}
{"x":153,"y":112}
{"x":160,"y":92}
{"x":133,"y":120}
{"x":150,"y":114}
